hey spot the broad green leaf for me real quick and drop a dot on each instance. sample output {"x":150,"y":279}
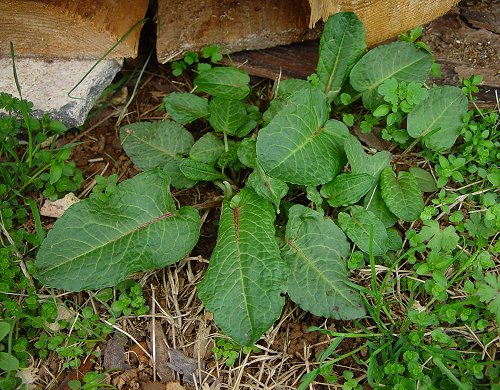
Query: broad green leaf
{"x":245,"y":279}
{"x":297,"y":147}
{"x":227,"y":116}
{"x":152,"y":144}
{"x":438,"y":119}
{"x":8,"y":362}
{"x":425,"y":180}
{"x":399,"y":60}
{"x":361,"y":162}
{"x":316,"y":251}
{"x":196,"y":170}
{"x":360,"y":226}
{"x":267,"y":187}
{"x":224,"y":82}
{"x":177,"y":179}
{"x":402,"y":195}
{"x":4,"y":329}
{"x":247,"y":153}
{"x":288,"y":87}
{"x":207,"y":149}
{"x":98,"y":243}
{"x":347,"y":188}
{"x":373,"y":202}
{"x":342,"y":44}
{"x":185,"y":107}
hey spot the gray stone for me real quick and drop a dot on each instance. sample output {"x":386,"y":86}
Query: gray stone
{"x":47,"y":84}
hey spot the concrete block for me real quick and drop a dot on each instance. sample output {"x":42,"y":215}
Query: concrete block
{"x":47,"y":83}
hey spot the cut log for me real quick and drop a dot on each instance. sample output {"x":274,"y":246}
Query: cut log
{"x":234,"y":25}
{"x":71,"y":29}
{"x":383,"y":19}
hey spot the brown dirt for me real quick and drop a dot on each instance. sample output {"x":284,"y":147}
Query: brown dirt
{"x":289,"y":350}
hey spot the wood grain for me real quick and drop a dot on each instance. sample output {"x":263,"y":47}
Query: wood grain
{"x":70,"y":29}
{"x":383,"y":19}
{"x":233,"y":25}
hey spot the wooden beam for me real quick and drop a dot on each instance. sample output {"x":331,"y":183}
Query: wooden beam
{"x":70,"y":29}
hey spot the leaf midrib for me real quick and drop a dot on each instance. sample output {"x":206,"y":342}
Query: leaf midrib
{"x":153,"y":146}
{"x":430,"y":127}
{"x":372,"y":86}
{"x":311,"y":264}
{"x":337,"y":58}
{"x":236,"y":226}
{"x":128,"y":233}
{"x":307,"y":141}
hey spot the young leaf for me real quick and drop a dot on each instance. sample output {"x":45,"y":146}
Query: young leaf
{"x":224,"y":82}
{"x":152,"y":144}
{"x":373,"y":202}
{"x":425,"y":180}
{"x":342,"y":44}
{"x":314,"y":196}
{"x":246,"y":128}
{"x":247,"y":153}
{"x":438,"y":119}
{"x":207,"y":149}
{"x":177,"y":179}
{"x":402,"y":195}
{"x":185,"y":107}
{"x":297,"y":146}
{"x":316,"y":250}
{"x":196,"y":170}
{"x":268,"y":187}
{"x":361,"y":162}
{"x":347,"y":188}
{"x":227,"y":116}
{"x":246,"y":275}
{"x":98,"y":243}
{"x":359,"y":226}
{"x":399,"y":60}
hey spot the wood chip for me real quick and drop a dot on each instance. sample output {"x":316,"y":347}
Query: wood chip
{"x":57,"y":208}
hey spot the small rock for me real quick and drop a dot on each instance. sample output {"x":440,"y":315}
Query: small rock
{"x":57,"y":208}
{"x":47,"y":84}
